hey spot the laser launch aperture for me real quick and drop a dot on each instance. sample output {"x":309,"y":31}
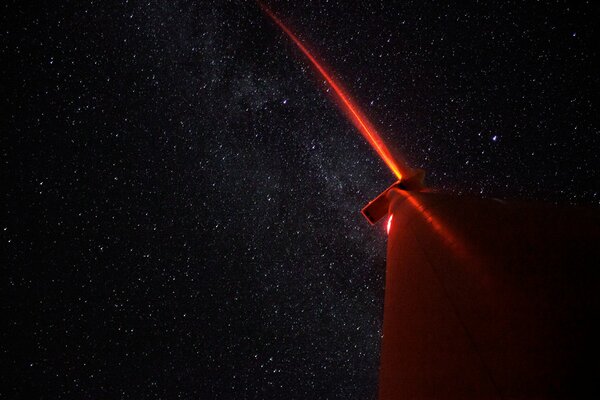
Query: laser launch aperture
{"x":378,"y":208}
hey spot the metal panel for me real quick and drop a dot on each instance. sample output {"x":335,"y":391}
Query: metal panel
{"x":489,"y":299}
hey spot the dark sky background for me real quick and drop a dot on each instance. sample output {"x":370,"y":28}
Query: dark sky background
{"x":181,"y":196}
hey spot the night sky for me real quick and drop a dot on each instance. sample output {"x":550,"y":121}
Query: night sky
{"x":182,"y":196}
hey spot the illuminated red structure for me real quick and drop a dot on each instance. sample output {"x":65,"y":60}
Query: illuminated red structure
{"x":505,"y":308}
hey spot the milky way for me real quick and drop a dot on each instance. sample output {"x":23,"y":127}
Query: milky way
{"x":182,"y":198}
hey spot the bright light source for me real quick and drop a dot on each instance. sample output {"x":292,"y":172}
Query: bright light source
{"x":389,"y":223}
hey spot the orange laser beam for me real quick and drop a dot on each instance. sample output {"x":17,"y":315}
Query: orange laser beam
{"x":452,"y":240}
{"x":348,"y":105}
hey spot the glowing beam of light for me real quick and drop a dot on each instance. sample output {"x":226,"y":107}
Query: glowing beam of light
{"x":348,"y":105}
{"x":452,"y":240}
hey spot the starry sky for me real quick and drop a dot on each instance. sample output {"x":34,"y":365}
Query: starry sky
{"x":181,"y":194}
